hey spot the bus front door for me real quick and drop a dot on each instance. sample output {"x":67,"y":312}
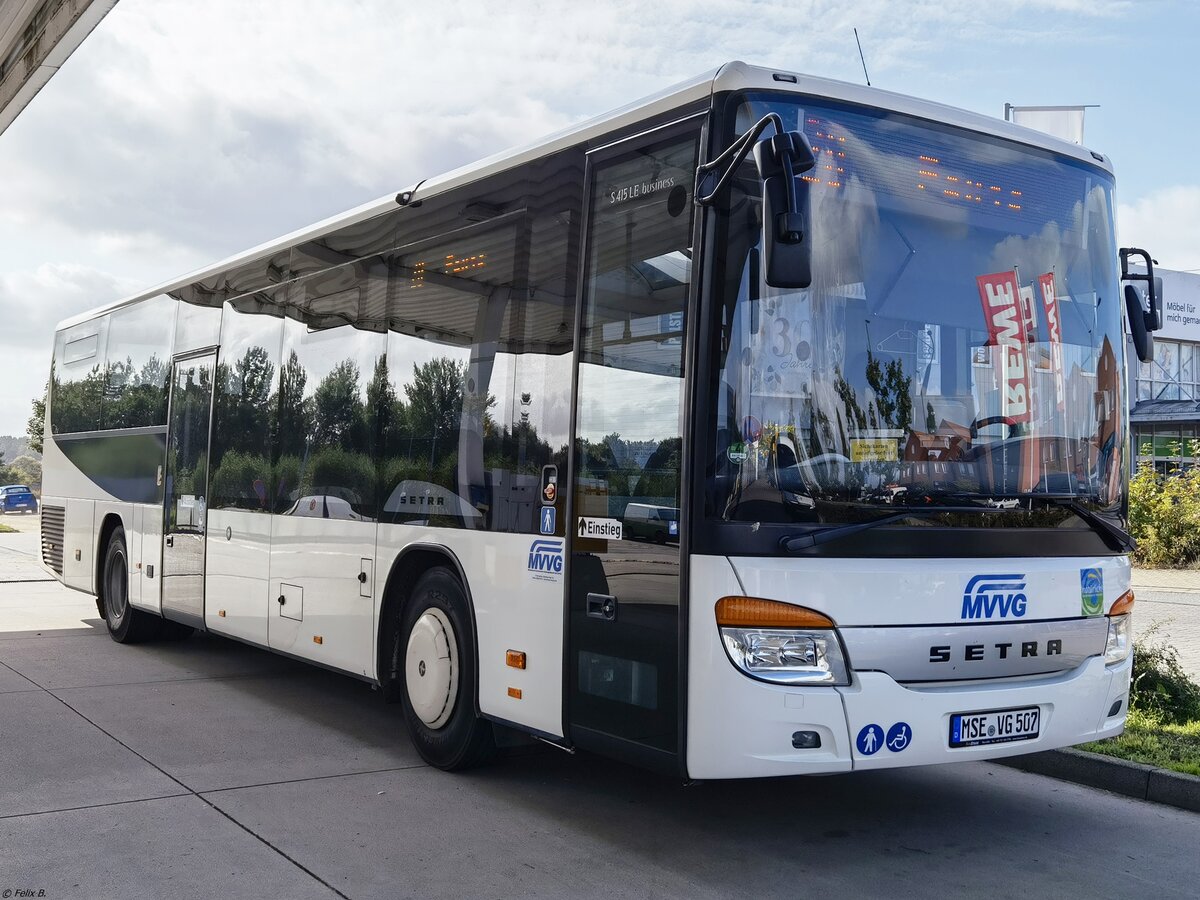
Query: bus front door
{"x":624,"y":591}
{"x":186,"y":491}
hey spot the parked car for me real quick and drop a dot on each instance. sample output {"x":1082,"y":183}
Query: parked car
{"x":17,"y":498}
{"x":652,"y":523}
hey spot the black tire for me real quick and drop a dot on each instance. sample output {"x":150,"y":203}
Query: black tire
{"x":440,"y":712}
{"x":126,"y":625}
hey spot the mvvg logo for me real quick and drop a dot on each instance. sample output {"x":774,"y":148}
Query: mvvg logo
{"x":992,"y":596}
{"x":546,"y":558}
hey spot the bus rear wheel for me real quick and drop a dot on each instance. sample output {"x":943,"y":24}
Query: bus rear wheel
{"x":437,"y":666}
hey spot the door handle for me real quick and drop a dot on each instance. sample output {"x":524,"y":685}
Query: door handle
{"x":602,"y":606}
{"x":281,"y":599}
{"x":170,"y":540}
{"x":362,"y":577}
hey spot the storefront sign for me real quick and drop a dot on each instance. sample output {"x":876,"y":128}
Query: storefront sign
{"x":1000,"y":295}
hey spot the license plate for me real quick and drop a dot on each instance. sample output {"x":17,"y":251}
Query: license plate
{"x":995,"y":727}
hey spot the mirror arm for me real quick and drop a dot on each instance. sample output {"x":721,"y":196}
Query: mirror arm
{"x":1152,"y":314}
{"x":732,"y":158}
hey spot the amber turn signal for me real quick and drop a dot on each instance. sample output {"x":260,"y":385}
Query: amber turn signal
{"x":515,"y":693}
{"x":751,"y":612}
{"x":1123,"y":605}
{"x":515,"y":659}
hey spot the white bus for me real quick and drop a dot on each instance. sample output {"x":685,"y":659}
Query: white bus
{"x":868,"y":350}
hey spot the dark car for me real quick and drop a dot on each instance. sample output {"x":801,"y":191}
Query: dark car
{"x":17,"y":498}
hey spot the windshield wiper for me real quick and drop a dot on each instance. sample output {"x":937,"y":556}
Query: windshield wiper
{"x":824,"y":536}
{"x":1115,"y":537}
{"x":1109,"y":533}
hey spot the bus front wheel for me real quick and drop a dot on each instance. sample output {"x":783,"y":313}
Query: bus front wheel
{"x":438,"y":671}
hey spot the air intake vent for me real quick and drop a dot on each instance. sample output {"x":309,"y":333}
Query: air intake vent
{"x":52,"y":537}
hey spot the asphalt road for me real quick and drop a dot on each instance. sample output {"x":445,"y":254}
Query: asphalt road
{"x":207,"y":768}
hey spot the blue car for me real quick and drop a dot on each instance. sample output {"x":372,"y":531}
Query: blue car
{"x":17,"y":498}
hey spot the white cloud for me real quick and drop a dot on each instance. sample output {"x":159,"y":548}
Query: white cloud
{"x":1165,"y":223}
{"x":180,"y":132}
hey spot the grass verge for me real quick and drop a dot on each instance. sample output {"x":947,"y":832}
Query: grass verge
{"x":1156,"y":743}
{"x":8,"y":529}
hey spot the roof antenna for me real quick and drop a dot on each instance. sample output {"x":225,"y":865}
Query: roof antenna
{"x":863,"y":58}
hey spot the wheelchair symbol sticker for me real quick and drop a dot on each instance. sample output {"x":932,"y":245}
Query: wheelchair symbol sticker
{"x":898,"y":737}
{"x":870,"y":740}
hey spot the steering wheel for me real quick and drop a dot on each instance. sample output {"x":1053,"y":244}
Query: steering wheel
{"x":993,"y":420}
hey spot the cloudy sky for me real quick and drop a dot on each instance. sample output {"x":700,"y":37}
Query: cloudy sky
{"x":180,"y":133}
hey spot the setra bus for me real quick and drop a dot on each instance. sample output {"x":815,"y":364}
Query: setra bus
{"x":865,"y":351}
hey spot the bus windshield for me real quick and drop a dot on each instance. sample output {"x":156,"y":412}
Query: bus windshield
{"x":960,"y":342}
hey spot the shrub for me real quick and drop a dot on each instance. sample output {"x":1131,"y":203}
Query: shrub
{"x":1164,"y":516}
{"x":238,"y":479}
{"x":1160,"y":687}
{"x":287,"y":482}
{"x":342,"y":473}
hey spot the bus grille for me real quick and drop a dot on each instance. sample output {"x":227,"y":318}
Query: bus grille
{"x":52,"y":537}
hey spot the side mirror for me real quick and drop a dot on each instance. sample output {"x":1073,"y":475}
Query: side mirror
{"x":1154,"y":316}
{"x":1143,"y":341}
{"x":786,"y":243}
{"x":1151,"y":316}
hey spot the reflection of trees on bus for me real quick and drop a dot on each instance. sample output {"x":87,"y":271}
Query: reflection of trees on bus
{"x":632,"y":471}
{"x":119,"y":395}
{"x":354,"y":442}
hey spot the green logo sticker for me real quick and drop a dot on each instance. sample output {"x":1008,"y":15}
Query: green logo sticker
{"x":1091,"y":591}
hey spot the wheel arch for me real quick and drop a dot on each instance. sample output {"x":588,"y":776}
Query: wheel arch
{"x":410,"y":564}
{"x":110,"y":523}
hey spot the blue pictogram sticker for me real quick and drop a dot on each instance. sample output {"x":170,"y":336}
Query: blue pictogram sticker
{"x":1091,"y":591}
{"x":548,"y":517}
{"x":673,"y":528}
{"x":870,"y":740}
{"x":898,"y":737}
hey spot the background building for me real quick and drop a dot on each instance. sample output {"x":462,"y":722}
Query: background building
{"x":1165,"y":415}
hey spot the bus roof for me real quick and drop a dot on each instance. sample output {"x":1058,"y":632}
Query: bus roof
{"x":733,"y":76}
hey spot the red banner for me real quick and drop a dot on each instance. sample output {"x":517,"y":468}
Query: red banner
{"x":1054,"y":327}
{"x":1000,"y":295}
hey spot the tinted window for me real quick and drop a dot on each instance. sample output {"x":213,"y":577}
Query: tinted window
{"x":138,"y":365}
{"x":77,"y":378}
{"x":245,"y":403}
{"x":333,"y":387}
{"x":480,"y":330}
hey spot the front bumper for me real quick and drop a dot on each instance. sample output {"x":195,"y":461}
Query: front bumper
{"x":744,"y":729}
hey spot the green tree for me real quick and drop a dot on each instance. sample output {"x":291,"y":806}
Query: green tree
{"x":291,"y":423}
{"x":338,"y":409}
{"x":36,"y":425}
{"x":893,"y":397}
{"x":435,"y":401}
{"x":385,"y":412}
{"x":244,"y":401}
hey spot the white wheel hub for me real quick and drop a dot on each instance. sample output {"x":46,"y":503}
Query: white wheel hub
{"x":431,"y":668}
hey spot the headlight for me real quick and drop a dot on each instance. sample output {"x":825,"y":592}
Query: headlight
{"x":1120,"y":629}
{"x":789,"y":657}
{"x":1119,"y":643}
{"x":780,"y":642}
